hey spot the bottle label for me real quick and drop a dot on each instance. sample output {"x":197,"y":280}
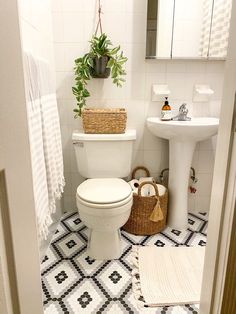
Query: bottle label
{"x":166,"y":115}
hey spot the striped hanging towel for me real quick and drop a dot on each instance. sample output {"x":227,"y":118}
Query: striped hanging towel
{"x":36,"y":146}
{"x":45,"y":141}
{"x":51,"y":135}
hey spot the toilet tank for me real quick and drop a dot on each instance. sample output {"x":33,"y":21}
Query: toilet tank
{"x":104,"y":155}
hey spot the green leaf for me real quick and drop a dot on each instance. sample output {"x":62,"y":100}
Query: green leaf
{"x":90,"y":62}
{"x":114,"y":50}
{"x":86,"y":93}
{"x":110,"y":63}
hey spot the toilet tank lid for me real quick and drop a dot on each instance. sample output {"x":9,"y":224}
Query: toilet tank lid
{"x":129,"y":135}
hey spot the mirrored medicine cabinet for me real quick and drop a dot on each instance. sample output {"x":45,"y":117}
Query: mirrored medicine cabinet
{"x":187,"y":29}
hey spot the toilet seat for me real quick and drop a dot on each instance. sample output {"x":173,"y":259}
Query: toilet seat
{"x":104,"y":206}
{"x":104,"y":193}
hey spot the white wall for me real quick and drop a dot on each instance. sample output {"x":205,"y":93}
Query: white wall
{"x":125,"y":22}
{"x":36,"y":28}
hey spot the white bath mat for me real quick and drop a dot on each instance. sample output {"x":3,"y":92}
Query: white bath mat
{"x":167,"y":276}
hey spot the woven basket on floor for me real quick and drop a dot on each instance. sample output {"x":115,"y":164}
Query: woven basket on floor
{"x":139,"y":222}
{"x":104,"y":121}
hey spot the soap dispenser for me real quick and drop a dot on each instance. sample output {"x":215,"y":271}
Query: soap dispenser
{"x":166,"y":111}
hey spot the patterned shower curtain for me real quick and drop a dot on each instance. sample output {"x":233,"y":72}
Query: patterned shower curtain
{"x":214,"y":41}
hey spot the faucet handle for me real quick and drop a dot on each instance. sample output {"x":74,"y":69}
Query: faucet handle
{"x":183,"y":108}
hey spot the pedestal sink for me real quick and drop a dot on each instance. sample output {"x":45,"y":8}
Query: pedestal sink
{"x":182,"y":136}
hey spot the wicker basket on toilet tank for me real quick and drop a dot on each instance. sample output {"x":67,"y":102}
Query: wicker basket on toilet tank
{"x":104,"y":121}
{"x":149,"y":213}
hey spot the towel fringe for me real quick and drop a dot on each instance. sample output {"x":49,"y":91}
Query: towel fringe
{"x":136,"y":285}
{"x":57,"y":195}
{"x":43,"y":227}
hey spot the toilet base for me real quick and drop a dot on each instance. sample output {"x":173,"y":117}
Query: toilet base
{"x":104,"y":245}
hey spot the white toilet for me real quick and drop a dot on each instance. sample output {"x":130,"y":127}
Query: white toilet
{"x":104,"y":200}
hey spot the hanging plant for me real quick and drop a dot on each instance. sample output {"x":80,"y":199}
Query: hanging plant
{"x":102,"y":60}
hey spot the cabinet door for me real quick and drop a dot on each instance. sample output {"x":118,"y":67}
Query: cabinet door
{"x":188,"y":29}
{"x":191,"y":31}
{"x":220,"y":29}
{"x":160,"y":16}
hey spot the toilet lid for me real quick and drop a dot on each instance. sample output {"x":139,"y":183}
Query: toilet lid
{"x":104,"y":191}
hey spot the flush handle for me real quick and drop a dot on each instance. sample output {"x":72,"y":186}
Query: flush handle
{"x":79,"y":144}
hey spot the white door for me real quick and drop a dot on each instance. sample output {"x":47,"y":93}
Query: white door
{"x":15,"y":160}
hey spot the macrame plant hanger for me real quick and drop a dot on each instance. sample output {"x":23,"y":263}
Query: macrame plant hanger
{"x":99,"y":23}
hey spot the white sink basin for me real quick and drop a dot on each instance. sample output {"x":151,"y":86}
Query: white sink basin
{"x":197,"y":129}
{"x":182,"y":136}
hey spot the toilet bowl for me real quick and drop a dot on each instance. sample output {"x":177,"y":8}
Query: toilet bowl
{"x":104,"y":206}
{"x":104,"y":199}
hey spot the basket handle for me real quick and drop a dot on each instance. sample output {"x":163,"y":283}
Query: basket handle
{"x":140,"y":168}
{"x":146,"y":183}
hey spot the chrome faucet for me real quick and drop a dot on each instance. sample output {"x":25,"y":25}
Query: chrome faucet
{"x":183,"y":112}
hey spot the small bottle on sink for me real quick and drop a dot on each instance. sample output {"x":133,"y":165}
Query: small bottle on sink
{"x":166,"y":111}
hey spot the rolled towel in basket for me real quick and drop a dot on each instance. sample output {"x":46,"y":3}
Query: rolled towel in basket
{"x":161,"y":189}
{"x":147,"y":190}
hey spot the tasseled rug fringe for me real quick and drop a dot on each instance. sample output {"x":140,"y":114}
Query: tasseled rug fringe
{"x":136,"y":285}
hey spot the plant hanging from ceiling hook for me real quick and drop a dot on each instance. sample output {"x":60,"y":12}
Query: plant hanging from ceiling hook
{"x":102,"y":60}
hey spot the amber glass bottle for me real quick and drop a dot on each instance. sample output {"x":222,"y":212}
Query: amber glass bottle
{"x":166,"y":111}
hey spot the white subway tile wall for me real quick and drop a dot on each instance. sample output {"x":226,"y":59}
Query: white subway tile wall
{"x":36,"y":29}
{"x":125,"y":22}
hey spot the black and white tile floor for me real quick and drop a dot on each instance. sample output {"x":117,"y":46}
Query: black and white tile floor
{"x":73,"y":283}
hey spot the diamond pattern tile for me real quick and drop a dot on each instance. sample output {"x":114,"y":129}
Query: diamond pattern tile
{"x":114,"y":278}
{"x":87,"y":264}
{"x":197,"y":222}
{"x":85,"y":298}
{"x":74,"y":283}
{"x":49,"y":260}
{"x":60,"y":278}
{"x":69,"y":244}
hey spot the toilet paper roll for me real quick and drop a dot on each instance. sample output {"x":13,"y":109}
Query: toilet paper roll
{"x":161,"y":189}
{"x":134,"y":185}
{"x":147,"y":190}
{"x":146,"y":179}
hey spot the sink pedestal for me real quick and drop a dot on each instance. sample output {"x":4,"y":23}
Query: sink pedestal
{"x":180,"y":161}
{"x":182,"y":136}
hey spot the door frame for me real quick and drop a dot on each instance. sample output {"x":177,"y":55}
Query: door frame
{"x":223,"y":189}
{"x":228,"y":304}
{"x":16,"y":162}
{"x":8,"y":287}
